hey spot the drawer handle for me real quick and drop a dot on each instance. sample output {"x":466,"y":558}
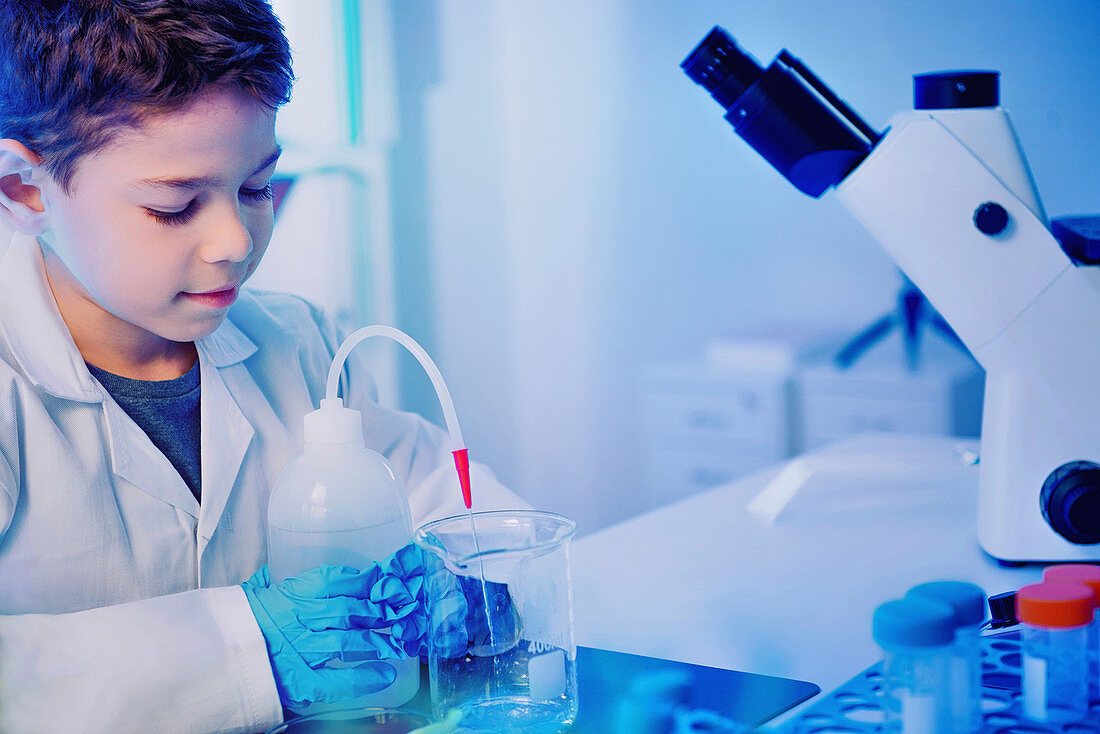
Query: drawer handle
{"x":707,"y":420}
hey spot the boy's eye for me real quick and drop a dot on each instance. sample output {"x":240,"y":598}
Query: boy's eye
{"x":184,"y":215}
{"x":174,"y":218}
{"x":257,"y":194}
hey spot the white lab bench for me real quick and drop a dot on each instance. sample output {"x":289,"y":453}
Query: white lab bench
{"x":704,"y":581}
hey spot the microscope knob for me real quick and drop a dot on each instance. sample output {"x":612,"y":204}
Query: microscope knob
{"x":1070,"y":502}
{"x":991,"y":218}
{"x":1079,"y":237}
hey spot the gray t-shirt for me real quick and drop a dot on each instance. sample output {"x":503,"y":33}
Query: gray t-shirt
{"x":168,"y":412}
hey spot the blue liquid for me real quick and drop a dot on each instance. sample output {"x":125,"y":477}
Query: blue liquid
{"x":481,"y":572}
{"x":516,"y":714}
{"x":529,"y":688}
{"x":484,"y":589}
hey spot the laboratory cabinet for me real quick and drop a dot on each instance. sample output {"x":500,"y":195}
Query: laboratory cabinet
{"x":880,"y":393}
{"x":705,"y":425}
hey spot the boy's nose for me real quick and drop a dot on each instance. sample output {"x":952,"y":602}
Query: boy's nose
{"x":229,"y":240}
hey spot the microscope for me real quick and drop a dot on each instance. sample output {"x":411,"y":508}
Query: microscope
{"x":947,"y":192}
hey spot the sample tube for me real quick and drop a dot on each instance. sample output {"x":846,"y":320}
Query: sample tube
{"x":965,"y":671}
{"x":1055,"y":618}
{"x":1089,"y":575}
{"x":917,"y":638}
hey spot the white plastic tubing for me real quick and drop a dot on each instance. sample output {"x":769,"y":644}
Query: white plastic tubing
{"x":417,"y":351}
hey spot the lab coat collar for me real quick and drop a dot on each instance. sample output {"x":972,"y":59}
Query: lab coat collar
{"x":41,"y":344}
{"x":34,"y":330}
{"x":227,"y":345}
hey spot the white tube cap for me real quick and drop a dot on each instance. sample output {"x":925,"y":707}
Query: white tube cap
{"x":333,"y":424}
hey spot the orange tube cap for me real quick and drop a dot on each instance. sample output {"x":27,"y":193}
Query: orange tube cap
{"x":1055,"y":605}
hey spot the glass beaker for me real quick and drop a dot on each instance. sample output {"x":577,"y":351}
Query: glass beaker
{"x":356,"y":721}
{"x":501,"y":651}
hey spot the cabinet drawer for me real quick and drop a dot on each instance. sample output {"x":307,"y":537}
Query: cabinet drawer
{"x":829,"y":417}
{"x":749,"y":411}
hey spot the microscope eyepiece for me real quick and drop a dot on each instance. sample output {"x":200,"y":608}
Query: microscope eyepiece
{"x":785,"y":112}
{"x":721,"y":67}
{"x":952,"y":90}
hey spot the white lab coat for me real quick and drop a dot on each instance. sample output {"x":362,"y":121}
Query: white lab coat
{"x":120,"y":609}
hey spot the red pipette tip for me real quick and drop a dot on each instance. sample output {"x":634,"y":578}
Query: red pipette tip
{"x":462,"y":463}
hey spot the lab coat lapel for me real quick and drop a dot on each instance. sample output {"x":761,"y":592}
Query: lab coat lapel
{"x":135,"y":459}
{"x":225,"y":431}
{"x":41,"y":344}
{"x":33,"y":329}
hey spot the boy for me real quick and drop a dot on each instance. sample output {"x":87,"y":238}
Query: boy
{"x":147,"y":402}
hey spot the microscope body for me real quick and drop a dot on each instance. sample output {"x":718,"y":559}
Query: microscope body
{"x":1028,"y":313}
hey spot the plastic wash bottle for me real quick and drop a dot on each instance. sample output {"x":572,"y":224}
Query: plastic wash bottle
{"x":340,"y":504}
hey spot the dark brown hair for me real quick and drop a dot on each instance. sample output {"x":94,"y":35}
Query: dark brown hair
{"x":75,"y":72}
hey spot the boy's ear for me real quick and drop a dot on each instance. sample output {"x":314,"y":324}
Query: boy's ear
{"x":20,"y":203}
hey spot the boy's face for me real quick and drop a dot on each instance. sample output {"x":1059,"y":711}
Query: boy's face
{"x":163,"y":226}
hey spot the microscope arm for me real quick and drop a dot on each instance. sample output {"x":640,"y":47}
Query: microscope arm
{"x":1013,"y":296}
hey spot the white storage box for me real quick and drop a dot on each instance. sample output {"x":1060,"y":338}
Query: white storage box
{"x":879,"y":393}
{"x":705,"y":426}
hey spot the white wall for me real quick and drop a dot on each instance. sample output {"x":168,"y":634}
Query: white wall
{"x":327,"y":245}
{"x":520,"y":170}
{"x":592,"y":213}
{"x":308,"y":254}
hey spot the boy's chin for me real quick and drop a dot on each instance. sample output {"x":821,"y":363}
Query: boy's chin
{"x":192,"y":331}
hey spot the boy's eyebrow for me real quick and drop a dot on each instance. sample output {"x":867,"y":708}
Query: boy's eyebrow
{"x":200,"y":182}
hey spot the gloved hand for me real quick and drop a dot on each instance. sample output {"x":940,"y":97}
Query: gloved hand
{"x":461,"y":623}
{"x":337,"y":613}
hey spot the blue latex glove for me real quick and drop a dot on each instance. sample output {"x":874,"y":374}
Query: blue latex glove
{"x":461,"y":624}
{"x":336,"y":613}
{"x":402,"y":589}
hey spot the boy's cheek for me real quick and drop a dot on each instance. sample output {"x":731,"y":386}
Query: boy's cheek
{"x":72,"y":220}
{"x":261,"y":237}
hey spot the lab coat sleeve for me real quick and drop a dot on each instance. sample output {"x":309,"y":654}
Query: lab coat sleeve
{"x":9,"y":484}
{"x":8,"y":489}
{"x":190,"y":662}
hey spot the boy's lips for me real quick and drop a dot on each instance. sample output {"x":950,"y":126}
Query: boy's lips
{"x":215,"y":299}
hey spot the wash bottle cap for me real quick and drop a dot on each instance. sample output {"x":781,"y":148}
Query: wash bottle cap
{"x":967,"y":600}
{"x":333,"y":424}
{"x":913,"y":623}
{"x":1053,"y":604}
{"x":1075,"y":573}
